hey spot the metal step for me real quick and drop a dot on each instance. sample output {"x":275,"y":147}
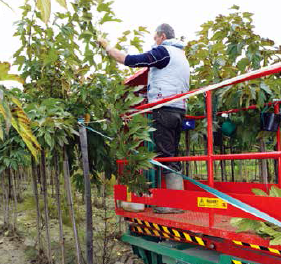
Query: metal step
{"x":170,"y":252}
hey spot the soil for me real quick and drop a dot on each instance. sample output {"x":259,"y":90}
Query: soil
{"x":20,"y":247}
{"x":12,"y":250}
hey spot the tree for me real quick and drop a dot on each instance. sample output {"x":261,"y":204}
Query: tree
{"x":225,"y":48}
{"x":67,"y":75}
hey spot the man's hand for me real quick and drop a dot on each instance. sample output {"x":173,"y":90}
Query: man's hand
{"x":103,"y":42}
{"x":114,"y":53}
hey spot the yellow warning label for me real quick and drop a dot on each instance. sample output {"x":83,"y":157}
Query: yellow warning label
{"x":211,"y":202}
{"x":129,"y":196}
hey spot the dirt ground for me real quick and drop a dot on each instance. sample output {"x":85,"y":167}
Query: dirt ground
{"x":20,"y":248}
{"x":12,"y":251}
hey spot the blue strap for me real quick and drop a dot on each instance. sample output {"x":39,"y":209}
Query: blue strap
{"x":81,"y":123}
{"x":234,"y":202}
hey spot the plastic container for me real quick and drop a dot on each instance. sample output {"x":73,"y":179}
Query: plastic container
{"x":269,"y":121}
{"x":228,"y":128}
{"x":132,"y":207}
{"x":188,"y":124}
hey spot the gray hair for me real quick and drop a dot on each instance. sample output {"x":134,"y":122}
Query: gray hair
{"x":167,"y":30}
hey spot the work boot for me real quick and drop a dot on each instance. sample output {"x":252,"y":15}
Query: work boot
{"x":173,"y":182}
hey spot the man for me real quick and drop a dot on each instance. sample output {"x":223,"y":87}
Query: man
{"x":168,"y":76}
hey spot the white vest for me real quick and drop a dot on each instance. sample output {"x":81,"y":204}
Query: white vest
{"x":171,"y":80}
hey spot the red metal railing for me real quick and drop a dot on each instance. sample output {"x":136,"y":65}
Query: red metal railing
{"x":210,"y":157}
{"x":208,"y":220}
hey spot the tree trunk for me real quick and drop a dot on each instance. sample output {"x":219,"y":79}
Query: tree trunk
{"x":222,"y":164}
{"x":5,"y":201}
{"x":263,"y":165}
{"x":206,"y":153}
{"x":36,"y":196}
{"x":45,"y":199}
{"x":232,"y":164}
{"x":70,"y":204}
{"x":240,"y":169}
{"x":57,"y":185}
{"x":187,"y":153}
{"x":105,"y":234}
{"x":15,"y":199}
{"x":51,"y":173}
{"x":19,"y":182}
{"x":88,"y":195}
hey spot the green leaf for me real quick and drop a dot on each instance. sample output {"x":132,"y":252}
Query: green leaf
{"x":48,"y":140}
{"x":108,"y":17}
{"x":62,"y":3}
{"x":275,"y":192}
{"x":265,"y":229}
{"x":5,"y":76}
{"x":266,"y":88}
{"x":44,"y":7}
{"x":51,"y":57}
{"x":276,"y":241}
{"x":22,"y":124}
{"x":143,"y":29}
{"x":232,"y":51}
{"x":248,"y":15}
{"x":86,"y":35}
{"x":125,"y":33}
{"x":1,"y":131}
{"x":259,"y":192}
{"x":236,"y":7}
{"x":219,"y":35}
{"x":242,"y":64}
{"x":104,"y":7}
{"x":245,"y":224}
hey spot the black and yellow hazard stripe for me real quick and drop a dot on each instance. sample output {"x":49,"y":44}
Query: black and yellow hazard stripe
{"x":268,"y":249}
{"x":237,"y":262}
{"x":164,"y":232}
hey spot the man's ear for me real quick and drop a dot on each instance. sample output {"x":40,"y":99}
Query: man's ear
{"x":164,"y":36}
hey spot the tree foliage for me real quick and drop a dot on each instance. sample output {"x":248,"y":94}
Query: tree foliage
{"x":68,"y":76}
{"x":225,"y":48}
{"x":266,"y":230}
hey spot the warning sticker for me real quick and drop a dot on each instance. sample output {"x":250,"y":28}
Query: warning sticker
{"x":211,"y":202}
{"x":129,"y":196}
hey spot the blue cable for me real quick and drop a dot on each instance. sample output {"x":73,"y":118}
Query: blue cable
{"x":81,"y":122}
{"x":234,"y":202}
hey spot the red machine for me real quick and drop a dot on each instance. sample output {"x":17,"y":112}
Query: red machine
{"x":204,"y":230}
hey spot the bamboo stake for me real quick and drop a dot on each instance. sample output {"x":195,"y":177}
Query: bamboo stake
{"x":88,"y":195}
{"x":38,"y":214}
{"x":57,"y":186}
{"x":45,"y":199}
{"x":70,"y":204}
{"x":15,"y":199}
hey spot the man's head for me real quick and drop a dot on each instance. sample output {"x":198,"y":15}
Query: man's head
{"x":164,"y":31}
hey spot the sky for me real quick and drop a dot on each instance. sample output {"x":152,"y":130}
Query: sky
{"x":184,"y":15}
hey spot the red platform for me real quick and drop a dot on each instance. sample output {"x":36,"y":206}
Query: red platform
{"x":208,"y":221}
